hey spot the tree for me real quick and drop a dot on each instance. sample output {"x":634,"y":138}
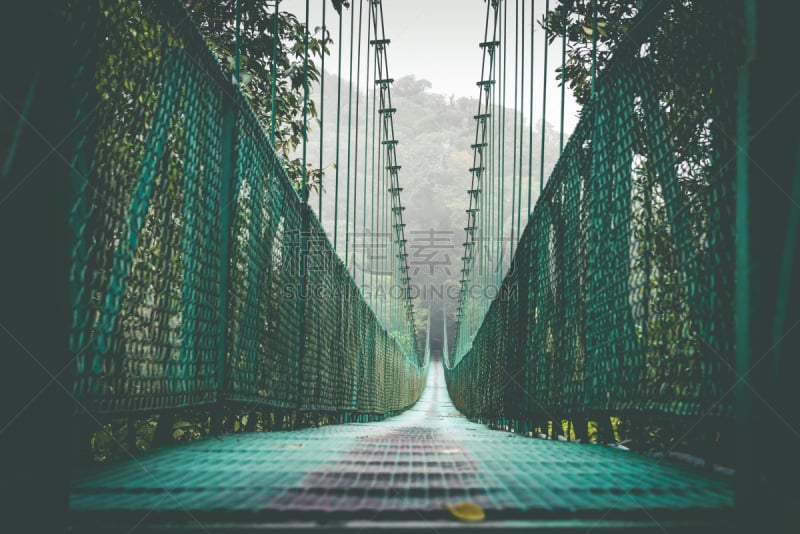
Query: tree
{"x":217,"y":21}
{"x":682,"y":37}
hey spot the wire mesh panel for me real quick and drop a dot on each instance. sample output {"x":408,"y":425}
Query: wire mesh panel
{"x":620,"y":296}
{"x":147,"y":231}
{"x":198,"y":275}
{"x":265,"y":274}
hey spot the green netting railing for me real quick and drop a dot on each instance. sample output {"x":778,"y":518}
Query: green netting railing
{"x":619,"y":299}
{"x":198,"y":275}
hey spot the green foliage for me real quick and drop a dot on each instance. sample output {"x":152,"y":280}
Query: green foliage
{"x":120,"y":438}
{"x":217,"y":22}
{"x":111,"y":442}
{"x":575,"y":17}
{"x":675,"y":44}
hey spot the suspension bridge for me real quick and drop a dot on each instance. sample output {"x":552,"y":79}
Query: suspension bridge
{"x":173,"y":272}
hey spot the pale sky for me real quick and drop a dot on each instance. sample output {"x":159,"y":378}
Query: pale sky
{"x":437,"y":40}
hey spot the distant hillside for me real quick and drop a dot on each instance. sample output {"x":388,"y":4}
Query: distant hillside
{"x":434,"y":133}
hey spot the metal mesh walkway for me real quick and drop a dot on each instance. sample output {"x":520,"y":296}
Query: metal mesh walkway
{"x":406,"y":467}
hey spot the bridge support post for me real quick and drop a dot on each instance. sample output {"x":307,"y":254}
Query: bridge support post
{"x":303,"y":296}
{"x":227,"y":177}
{"x":579,"y":426}
{"x":252,"y":421}
{"x":605,"y":430}
{"x":162,"y":436}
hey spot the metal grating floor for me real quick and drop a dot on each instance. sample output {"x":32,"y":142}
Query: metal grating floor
{"x":405,"y":467}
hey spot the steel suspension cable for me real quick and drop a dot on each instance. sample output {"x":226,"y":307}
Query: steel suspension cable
{"x":530,"y":113}
{"x":379,"y":217}
{"x":366,"y":153}
{"x":563,"y":79}
{"x":522,"y":122}
{"x":338,"y":137}
{"x":493,"y":131}
{"x":322,"y":113}
{"x":274,"y":73}
{"x":376,"y":199}
{"x":349,"y":136}
{"x":544,"y":103}
{"x":236,"y":76}
{"x":498,"y":236}
{"x":594,"y":46}
{"x":355,"y":145}
{"x":484,"y":218}
{"x":504,"y":38}
{"x":304,"y":191}
{"x":382,"y":227}
{"x":489,"y":240}
{"x":514,"y":142}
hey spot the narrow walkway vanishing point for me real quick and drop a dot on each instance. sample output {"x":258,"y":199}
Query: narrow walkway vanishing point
{"x":402,"y":470}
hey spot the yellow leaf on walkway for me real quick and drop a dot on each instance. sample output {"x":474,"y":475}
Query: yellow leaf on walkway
{"x":466,"y":511}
